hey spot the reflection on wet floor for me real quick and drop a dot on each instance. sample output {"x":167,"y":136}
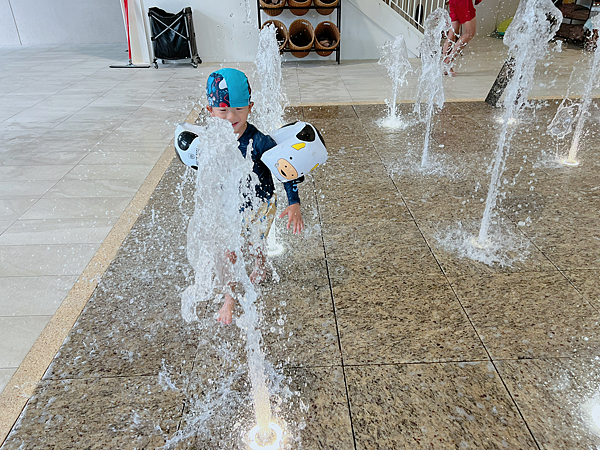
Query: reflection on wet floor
{"x":378,"y":335}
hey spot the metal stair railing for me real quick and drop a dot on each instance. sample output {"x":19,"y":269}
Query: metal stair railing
{"x":415,"y":11}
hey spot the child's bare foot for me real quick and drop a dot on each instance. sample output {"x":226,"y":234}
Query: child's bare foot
{"x":226,"y":311}
{"x":259,"y":274}
{"x":450,"y":72}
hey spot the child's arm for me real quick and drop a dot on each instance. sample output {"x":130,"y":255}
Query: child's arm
{"x":293,"y":210}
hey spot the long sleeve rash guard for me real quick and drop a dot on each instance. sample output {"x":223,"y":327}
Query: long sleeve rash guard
{"x":260,"y":144}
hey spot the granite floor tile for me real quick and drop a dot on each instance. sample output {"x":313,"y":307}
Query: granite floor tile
{"x":402,"y":319}
{"x":352,"y":171}
{"x":127,"y":335}
{"x":328,"y":112}
{"x":452,"y":244}
{"x":558,"y":399}
{"x":587,"y":282}
{"x":314,"y":416}
{"x":298,"y":324}
{"x":373,"y":242}
{"x":387,"y":205}
{"x":528,"y":315}
{"x":581,"y":254}
{"x":451,"y":405}
{"x":123,"y":412}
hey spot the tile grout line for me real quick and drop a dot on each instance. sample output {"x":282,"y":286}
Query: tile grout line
{"x":490,"y":359}
{"x":336,"y":320}
{"x":20,"y":388}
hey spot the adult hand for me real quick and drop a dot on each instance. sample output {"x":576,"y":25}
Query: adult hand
{"x":294,"y":216}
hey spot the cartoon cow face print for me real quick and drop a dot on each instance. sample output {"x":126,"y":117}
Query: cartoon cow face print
{"x":285,"y":168}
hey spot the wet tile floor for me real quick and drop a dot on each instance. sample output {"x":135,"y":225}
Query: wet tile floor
{"x":377,"y":335}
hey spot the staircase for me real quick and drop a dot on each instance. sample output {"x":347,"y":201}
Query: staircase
{"x":405,"y":17}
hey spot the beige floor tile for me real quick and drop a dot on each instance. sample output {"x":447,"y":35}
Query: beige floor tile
{"x":12,"y":209}
{"x":17,"y":335}
{"x":75,"y":208}
{"x":24,"y":173}
{"x":94,"y":188}
{"x":5,"y":376}
{"x":140,"y":157}
{"x":40,"y":260}
{"x":30,"y":296}
{"x":27,"y":189}
{"x":57,"y":231}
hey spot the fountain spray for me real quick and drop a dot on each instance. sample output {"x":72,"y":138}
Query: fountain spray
{"x":582,"y":112}
{"x":431,"y":86}
{"x":394,"y":57}
{"x":269,"y":102}
{"x":535,"y":23}
{"x":222,"y":188}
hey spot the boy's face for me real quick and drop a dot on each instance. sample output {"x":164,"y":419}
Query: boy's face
{"x":238,"y":117}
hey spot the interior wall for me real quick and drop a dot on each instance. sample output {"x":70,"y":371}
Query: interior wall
{"x":223,"y":35}
{"x":491,"y":12}
{"x":52,"y":22}
{"x":222,"y":32}
{"x":8,"y":29}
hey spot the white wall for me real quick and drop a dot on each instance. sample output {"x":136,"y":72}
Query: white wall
{"x":491,"y":12}
{"x":8,"y":30}
{"x":41,"y":22}
{"x":222,"y":34}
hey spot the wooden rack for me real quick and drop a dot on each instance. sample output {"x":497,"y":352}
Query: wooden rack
{"x":338,"y":9}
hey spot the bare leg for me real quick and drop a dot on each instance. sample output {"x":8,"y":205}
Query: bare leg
{"x":226,"y":311}
{"x":469,"y":30}
{"x":449,"y":46}
{"x":259,"y":273}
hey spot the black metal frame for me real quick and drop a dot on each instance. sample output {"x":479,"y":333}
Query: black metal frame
{"x":186,"y":17}
{"x":338,"y":7}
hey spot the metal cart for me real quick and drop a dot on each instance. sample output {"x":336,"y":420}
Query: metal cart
{"x":173,"y":36}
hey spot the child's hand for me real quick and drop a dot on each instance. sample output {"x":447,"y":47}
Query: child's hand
{"x":294,"y":215}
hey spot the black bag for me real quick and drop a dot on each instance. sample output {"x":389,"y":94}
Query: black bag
{"x":173,"y":35}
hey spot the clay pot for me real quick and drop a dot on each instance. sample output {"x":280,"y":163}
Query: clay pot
{"x":299,"y":3}
{"x":281,"y":32}
{"x":327,"y":38}
{"x":326,"y":7}
{"x":272,"y":9}
{"x":301,"y":37}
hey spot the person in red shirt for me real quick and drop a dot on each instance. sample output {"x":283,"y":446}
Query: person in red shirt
{"x":462,"y":13}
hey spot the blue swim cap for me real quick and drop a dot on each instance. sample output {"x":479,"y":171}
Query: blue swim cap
{"x":228,"y":87}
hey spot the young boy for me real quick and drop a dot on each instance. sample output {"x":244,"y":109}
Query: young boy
{"x":228,"y":93}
